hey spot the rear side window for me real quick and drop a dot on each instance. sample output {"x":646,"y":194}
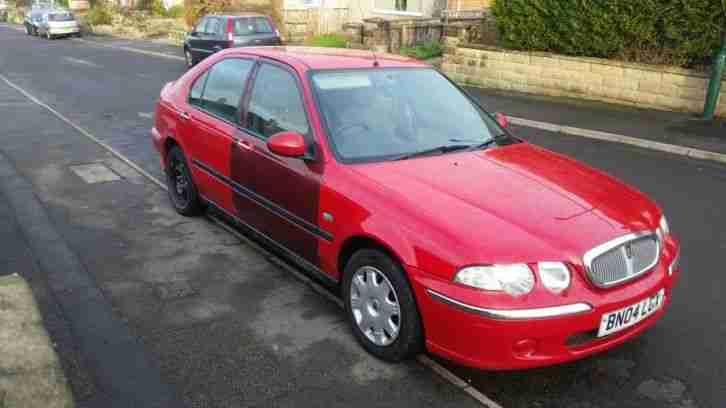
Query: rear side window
{"x":222,"y":92}
{"x":213,"y":27}
{"x":195,"y":95}
{"x":276,"y":104}
{"x":251,"y":26}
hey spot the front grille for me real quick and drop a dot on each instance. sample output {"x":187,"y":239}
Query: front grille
{"x":622,"y":259}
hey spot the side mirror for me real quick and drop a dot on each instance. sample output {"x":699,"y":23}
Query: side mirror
{"x":193,"y":33}
{"x":287,"y":144}
{"x":502,"y":120}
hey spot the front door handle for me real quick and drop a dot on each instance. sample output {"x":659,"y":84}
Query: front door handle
{"x":243,"y":144}
{"x":184,"y":115}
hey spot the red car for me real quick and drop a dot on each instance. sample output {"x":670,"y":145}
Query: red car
{"x":442,"y":230}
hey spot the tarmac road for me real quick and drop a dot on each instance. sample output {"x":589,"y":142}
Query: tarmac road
{"x":680,"y":362}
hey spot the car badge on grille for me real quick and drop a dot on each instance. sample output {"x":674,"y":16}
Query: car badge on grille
{"x":628,"y":253}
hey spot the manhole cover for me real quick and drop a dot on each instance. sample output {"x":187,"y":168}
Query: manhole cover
{"x":173,"y":290}
{"x":95,"y":173}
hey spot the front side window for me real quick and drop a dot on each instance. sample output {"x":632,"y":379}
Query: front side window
{"x":276,"y":105}
{"x":383,"y":114}
{"x":200,"y":26}
{"x":251,"y":26}
{"x":222,"y":91}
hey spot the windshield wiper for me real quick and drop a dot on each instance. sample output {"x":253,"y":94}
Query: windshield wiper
{"x":435,"y":150}
{"x":494,"y":140}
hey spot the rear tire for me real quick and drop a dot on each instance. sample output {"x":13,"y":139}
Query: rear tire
{"x":182,"y":192}
{"x":380,"y":306}
{"x":189,"y":58}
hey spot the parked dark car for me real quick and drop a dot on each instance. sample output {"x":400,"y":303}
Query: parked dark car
{"x":217,"y":32}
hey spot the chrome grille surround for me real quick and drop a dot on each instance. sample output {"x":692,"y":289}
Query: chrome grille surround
{"x":608,"y":264}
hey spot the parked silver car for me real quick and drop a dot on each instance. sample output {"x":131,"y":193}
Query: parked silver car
{"x":58,"y":23}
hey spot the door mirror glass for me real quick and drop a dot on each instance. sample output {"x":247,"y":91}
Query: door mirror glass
{"x":287,"y":144}
{"x":502,"y":120}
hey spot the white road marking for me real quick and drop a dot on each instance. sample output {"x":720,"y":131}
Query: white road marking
{"x":83,"y":131}
{"x":130,"y":49}
{"x":79,"y":61}
{"x":443,"y":372}
{"x":146,"y":115}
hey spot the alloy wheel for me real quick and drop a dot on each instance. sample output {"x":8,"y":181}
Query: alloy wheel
{"x":375,"y":307}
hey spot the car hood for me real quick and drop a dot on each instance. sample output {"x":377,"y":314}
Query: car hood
{"x":518,"y":203}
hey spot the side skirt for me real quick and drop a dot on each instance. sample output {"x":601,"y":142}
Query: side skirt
{"x":273,"y":245}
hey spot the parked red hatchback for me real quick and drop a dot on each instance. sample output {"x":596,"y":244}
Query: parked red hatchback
{"x":379,"y":175}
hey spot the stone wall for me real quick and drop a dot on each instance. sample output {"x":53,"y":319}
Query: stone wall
{"x":659,"y":87}
{"x":384,"y":35}
{"x":305,"y":22}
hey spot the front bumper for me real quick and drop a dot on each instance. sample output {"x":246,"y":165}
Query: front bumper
{"x":520,"y":337}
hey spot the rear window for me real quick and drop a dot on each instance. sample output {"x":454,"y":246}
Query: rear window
{"x":60,"y":17}
{"x":251,"y":26}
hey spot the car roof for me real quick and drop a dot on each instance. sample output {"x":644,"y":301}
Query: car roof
{"x":238,"y":14}
{"x":329,"y":58}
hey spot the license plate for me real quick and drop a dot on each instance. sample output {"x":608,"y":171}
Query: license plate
{"x":628,"y":316}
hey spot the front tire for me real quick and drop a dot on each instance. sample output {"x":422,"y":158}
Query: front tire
{"x":48,"y":35}
{"x":381,"y":307}
{"x":182,"y":191}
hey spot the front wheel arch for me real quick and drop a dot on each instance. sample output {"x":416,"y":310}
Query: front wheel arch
{"x":356,"y":243}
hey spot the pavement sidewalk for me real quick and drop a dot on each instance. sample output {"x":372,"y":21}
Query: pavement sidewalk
{"x":676,"y":128}
{"x":30,"y":373}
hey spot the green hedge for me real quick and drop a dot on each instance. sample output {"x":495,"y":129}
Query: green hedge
{"x":677,"y":32}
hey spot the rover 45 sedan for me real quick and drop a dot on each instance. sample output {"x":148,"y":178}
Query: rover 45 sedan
{"x":441,"y":229}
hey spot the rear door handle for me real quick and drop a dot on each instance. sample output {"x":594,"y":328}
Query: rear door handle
{"x":184,"y":115}
{"x":243,"y":144}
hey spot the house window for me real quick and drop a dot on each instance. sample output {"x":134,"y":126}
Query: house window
{"x":399,"y":6}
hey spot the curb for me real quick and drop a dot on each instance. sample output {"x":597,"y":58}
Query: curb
{"x":613,"y":137}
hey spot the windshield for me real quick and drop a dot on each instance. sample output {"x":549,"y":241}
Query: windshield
{"x":251,"y":25}
{"x":382,"y":114}
{"x":60,"y":17}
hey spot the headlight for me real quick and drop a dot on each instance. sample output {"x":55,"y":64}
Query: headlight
{"x":555,"y":276}
{"x":663,"y":228}
{"x":515,"y":279}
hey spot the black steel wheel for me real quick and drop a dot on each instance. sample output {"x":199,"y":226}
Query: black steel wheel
{"x":182,"y":191}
